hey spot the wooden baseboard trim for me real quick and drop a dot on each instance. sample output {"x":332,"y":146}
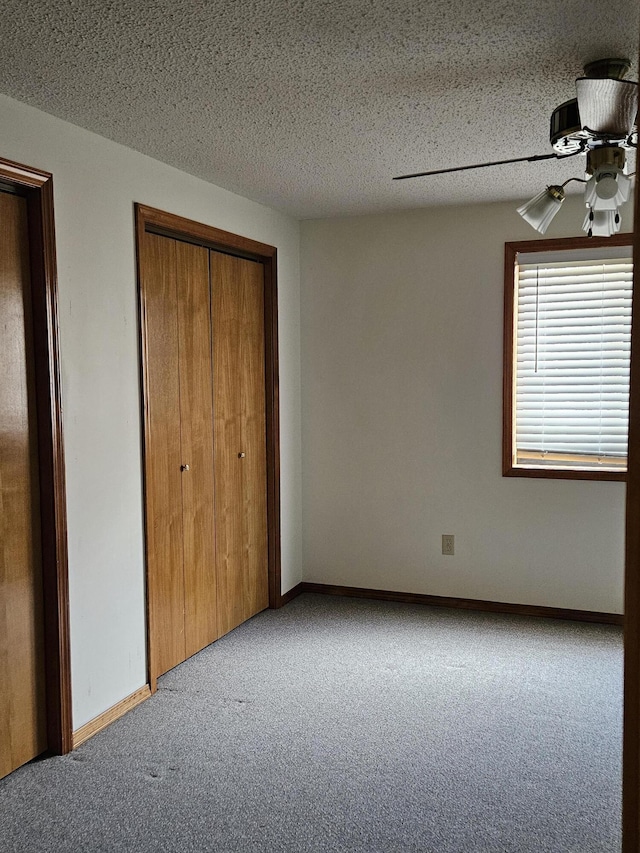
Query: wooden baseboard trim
{"x":109,"y":716}
{"x":294,"y":592}
{"x":462,"y":603}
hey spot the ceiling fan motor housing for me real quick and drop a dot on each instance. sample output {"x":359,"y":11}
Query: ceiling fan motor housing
{"x":604,"y":113}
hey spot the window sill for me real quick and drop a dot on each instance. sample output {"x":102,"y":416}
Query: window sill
{"x":564,"y":474}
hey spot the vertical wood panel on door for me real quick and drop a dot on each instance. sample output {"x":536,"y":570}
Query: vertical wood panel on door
{"x":237,"y":311}
{"x":22,"y":675}
{"x":253,"y":436}
{"x":163,"y":458}
{"x":196,"y":425}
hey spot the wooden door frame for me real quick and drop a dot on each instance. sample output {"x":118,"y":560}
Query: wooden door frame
{"x":37,"y":187}
{"x":149,"y":219}
{"x":631,"y":737}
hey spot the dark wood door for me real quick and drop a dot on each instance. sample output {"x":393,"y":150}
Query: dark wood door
{"x":237,"y":312}
{"x":22,"y":691}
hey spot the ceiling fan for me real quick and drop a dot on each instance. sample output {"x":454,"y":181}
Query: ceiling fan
{"x":601,"y":123}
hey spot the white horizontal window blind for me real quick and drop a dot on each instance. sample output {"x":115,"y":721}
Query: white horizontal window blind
{"x":573,"y":337}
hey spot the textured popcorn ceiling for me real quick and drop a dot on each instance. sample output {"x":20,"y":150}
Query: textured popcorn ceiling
{"x":311,"y":106}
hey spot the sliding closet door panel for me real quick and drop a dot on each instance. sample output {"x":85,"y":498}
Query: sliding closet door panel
{"x":22,"y":696}
{"x":225,"y":312}
{"x":237,"y":301}
{"x":253,"y":436}
{"x":162,"y":455}
{"x":194,"y":321}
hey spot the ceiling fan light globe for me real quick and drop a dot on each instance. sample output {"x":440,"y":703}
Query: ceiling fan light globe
{"x":606,"y":187}
{"x":541,"y":209}
{"x":607,"y":190}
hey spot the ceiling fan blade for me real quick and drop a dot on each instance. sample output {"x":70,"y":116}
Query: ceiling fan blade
{"x":483,"y":165}
{"x":607,"y":106}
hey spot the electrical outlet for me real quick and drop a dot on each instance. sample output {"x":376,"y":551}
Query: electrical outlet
{"x":447,"y":544}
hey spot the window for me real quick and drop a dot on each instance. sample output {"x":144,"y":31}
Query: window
{"x":566,"y":348}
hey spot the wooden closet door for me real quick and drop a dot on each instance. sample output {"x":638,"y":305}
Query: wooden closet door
{"x":22,"y":693}
{"x":196,"y":425}
{"x":237,"y":310}
{"x":163,"y":456}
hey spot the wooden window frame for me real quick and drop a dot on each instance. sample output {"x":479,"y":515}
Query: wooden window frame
{"x":37,"y":187}
{"x":149,"y":219}
{"x":511,"y":252}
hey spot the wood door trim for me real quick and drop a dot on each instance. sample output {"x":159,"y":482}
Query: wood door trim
{"x":170,"y":225}
{"x":272,"y":412}
{"x":37,"y":187}
{"x":631,"y":725}
{"x":149,"y":219}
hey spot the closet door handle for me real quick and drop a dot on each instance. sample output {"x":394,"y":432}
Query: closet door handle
{"x":241,"y":455}
{"x":184,"y":467}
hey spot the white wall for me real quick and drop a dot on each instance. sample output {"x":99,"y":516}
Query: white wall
{"x":95,"y":185}
{"x":402,"y":365}
{"x":402,"y":408}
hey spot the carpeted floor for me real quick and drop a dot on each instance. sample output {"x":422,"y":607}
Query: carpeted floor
{"x":351,"y":725}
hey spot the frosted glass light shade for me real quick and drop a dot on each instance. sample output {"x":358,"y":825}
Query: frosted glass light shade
{"x":603,"y":223}
{"x":542,"y":208}
{"x":607,"y":190}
